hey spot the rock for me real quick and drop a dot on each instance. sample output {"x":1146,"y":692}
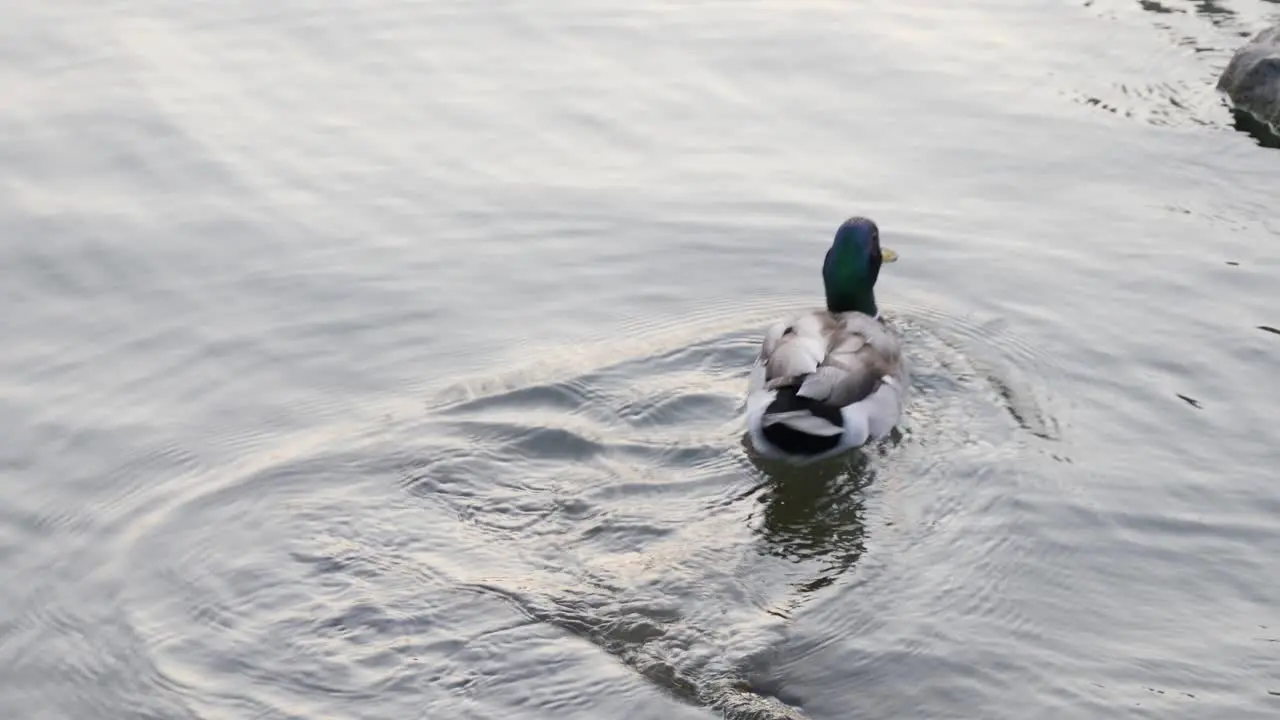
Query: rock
{"x":1252,"y":78}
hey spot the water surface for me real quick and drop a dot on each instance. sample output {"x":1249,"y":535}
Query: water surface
{"x":387,"y":361}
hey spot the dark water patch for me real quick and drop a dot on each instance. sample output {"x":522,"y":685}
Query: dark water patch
{"x":1156,"y":7}
{"x":819,"y":515}
{"x":1217,"y":12}
{"x":1261,"y":131}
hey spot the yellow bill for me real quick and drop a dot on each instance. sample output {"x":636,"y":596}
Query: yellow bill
{"x":887,"y":255}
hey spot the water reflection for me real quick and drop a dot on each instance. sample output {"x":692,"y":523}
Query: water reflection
{"x":815,"y":514}
{"x":1263,"y":133}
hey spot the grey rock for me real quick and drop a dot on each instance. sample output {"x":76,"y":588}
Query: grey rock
{"x":1252,"y":78}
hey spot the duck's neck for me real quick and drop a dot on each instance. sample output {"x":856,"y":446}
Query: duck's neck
{"x":860,"y":300}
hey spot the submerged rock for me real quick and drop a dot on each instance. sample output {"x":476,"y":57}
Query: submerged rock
{"x":1252,"y":78}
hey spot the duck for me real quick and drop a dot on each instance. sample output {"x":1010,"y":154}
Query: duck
{"x":829,"y":380}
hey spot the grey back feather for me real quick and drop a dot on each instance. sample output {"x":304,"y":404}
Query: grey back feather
{"x":845,"y":357}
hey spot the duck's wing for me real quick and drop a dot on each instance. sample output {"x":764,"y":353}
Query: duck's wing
{"x":838,"y":359}
{"x":795,"y":346}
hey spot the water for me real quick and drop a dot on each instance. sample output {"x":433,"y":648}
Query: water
{"x":386,"y":361}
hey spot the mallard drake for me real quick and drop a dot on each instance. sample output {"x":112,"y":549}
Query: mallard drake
{"x":827,"y":381}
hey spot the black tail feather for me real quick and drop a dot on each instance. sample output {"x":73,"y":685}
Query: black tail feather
{"x":789,"y":439}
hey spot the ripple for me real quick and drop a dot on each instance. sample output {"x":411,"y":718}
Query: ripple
{"x":1022,"y":375}
{"x":649,"y":542}
{"x":587,"y":515}
{"x":1196,"y":37}
{"x":643,"y":340}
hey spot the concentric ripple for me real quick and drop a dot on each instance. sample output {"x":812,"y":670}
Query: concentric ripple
{"x":583,"y":544}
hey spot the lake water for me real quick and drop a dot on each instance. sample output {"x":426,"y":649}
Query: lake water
{"x":386,"y":360}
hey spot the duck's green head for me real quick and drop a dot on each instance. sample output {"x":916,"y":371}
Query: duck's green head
{"x":852,"y":265}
